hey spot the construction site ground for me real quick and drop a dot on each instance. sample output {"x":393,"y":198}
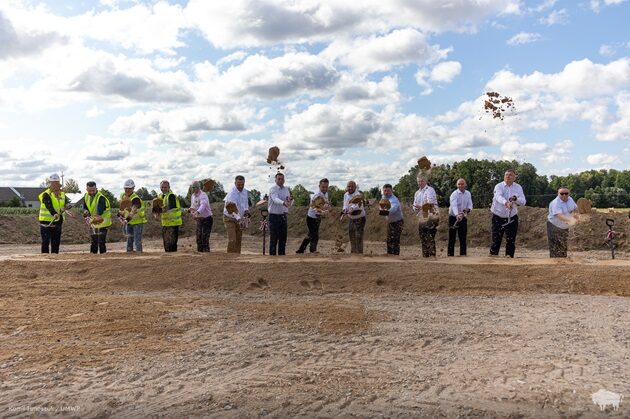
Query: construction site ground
{"x":324,"y":335}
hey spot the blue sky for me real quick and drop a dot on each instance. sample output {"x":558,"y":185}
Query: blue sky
{"x":110,"y":90}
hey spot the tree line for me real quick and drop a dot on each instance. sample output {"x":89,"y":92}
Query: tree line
{"x":605,"y":188}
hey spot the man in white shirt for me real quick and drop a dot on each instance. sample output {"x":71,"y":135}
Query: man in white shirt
{"x":202,"y":213}
{"x":561,"y":216}
{"x":356,"y":216}
{"x":313,"y":218}
{"x":461,"y":205}
{"x":395,"y":221}
{"x":279,"y":202}
{"x":239,"y":197}
{"x":427,"y":228}
{"x":508,"y":195}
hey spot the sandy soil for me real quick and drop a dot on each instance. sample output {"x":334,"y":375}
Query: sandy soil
{"x":217,"y":335}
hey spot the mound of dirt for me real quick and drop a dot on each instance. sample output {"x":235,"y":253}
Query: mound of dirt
{"x":588,"y":234}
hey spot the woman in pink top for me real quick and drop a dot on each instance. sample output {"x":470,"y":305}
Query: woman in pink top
{"x":201,"y":211}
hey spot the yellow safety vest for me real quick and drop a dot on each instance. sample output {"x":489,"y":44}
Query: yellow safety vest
{"x":58,"y":204}
{"x":92,"y":203}
{"x":139,"y":218}
{"x":172,"y":217}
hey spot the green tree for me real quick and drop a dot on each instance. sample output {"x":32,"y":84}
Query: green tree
{"x":608,"y":197}
{"x":254,"y":196}
{"x":71,"y":186}
{"x":144,"y":194}
{"x":183,"y":202}
{"x":374,"y":192}
{"x":217,"y":194}
{"x":14,"y":203}
{"x":622,"y":180}
{"x":113,"y":202}
{"x":153,"y":193}
{"x":301,"y":195}
{"x":335,"y":195}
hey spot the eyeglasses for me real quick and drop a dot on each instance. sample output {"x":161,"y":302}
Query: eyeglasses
{"x":564,"y":193}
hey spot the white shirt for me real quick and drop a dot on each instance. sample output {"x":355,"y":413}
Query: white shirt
{"x":240,"y":198}
{"x":558,"y":206}
{"x":348,"y":207}
{"x":425,"y":195}
{"x":200,"y":203}
{"x":277,"y":197}
{"x":459,"y":202}
{"x":311,"y":211}
{"x":502,"y":193}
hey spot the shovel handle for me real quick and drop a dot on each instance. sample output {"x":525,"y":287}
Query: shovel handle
{"x":610,"y":222}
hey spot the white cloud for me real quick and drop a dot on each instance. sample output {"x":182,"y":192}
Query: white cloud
{"x":446,"y":71}
{"x":182,"y":125}
{"x":248,"y":23}
{"x":517,"y":150}
{"x":328,"y":126}
{"x":608,"y":50}
{"x":583,"y":90}
{"x":545,"y":5}
{"x":235,"y":56}
{"x":443,"y":72}
{"x":365,"y":92}
{"x":134,"y":80}
{"x":617,"y":127}
{"x":143,"y":28}
{"x":94,"y":111}
{"x":559,"y":152}
{"x":287,"y":75}
{"x":602,"y":160}
{"x":556,"y":17}
{"x":596,"y":4}
{"x":523,"y":38}
{"x":382,"y":53}
{"x":105,"y":149}
{"x":18,"y":43}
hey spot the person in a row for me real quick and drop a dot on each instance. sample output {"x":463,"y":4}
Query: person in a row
{"x":314,"y":217}
{"x":98,"y":214}
{"x":53,"y":204}
{"x":280,"y":200}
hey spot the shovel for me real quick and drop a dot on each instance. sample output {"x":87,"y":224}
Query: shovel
{"x":610,"y":236}
{"x":455,"y":225}
{"x":510,"y":220}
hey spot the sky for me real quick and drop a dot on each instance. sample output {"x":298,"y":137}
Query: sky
{"x":181,"y":90}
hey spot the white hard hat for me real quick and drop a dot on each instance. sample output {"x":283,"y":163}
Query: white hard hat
{"x":54,"y":178}
{"x":129,"y":184}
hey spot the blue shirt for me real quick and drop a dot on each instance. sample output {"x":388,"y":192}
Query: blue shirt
{"x":395,"y":212}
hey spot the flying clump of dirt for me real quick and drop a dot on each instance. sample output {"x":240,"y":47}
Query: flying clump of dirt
{"x":497,"y":105}
{"x":340,"y":244}
{"x":272,"y":158}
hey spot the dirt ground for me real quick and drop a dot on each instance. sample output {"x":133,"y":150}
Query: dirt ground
{"x":217,"y":335}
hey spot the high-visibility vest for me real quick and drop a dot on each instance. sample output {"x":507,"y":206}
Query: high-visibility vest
{"x":91,"y":202}
{"x":58,"y":204}
{"x":139,"y":218}
{"x":172,"y":217}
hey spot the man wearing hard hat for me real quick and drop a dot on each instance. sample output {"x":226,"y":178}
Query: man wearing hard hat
{"x":52,"y":206}
{"x":132,"y":210}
